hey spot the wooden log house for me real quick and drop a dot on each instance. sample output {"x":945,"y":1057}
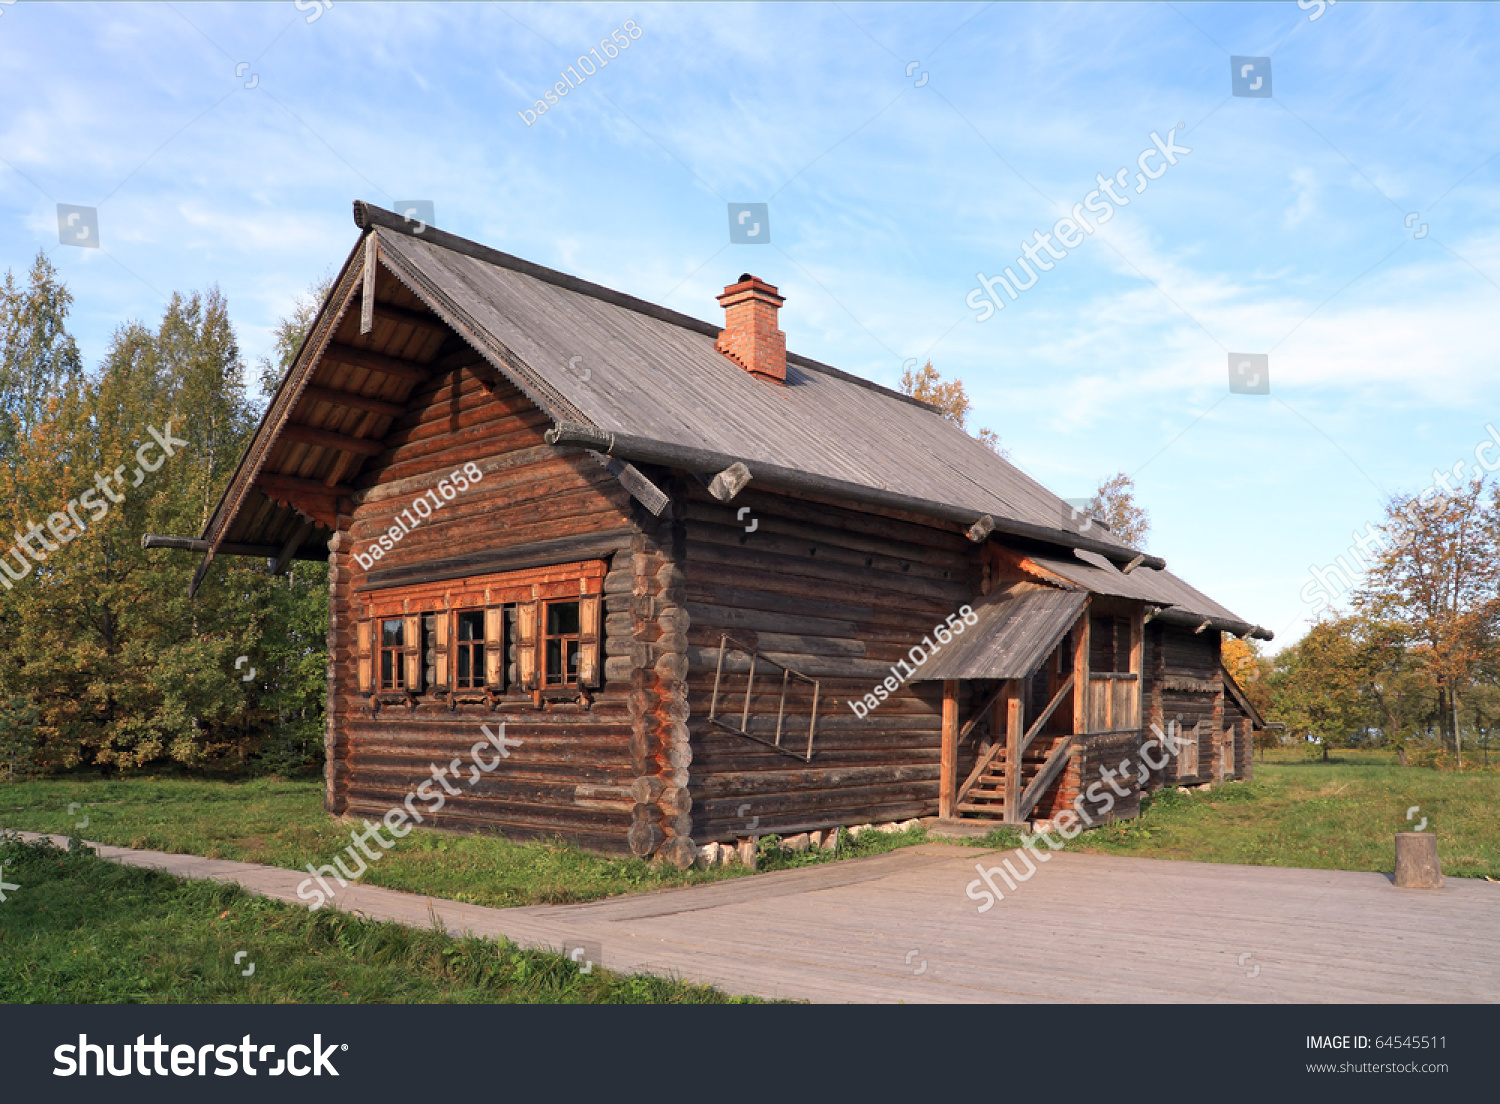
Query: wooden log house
{"x":676,"y":560}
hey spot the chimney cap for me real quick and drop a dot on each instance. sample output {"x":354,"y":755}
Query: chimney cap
{"x":751,"y":287}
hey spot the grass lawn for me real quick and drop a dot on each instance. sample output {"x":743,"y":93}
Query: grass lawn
{"x":1339,"y":815}
{"x":82,"y":930}
{"x":282,"y":823}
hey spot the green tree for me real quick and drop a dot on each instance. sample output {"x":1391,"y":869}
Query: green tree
{"x":1316,"y":686}
{"x":38,"y":357}
{"x":104,"y":655}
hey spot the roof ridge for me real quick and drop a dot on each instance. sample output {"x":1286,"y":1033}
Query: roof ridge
{"x":367,"y":215}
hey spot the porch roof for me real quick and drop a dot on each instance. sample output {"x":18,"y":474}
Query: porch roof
{"x":1017,"y":629}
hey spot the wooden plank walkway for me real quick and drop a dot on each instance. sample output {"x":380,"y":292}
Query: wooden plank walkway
{"x":1083,"y":929}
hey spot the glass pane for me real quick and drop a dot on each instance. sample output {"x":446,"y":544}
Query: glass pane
{"x":572,"y":660}
{"x":471,"y":625}
{"x":393,"y":634}
{"x":562,"y":618}
{"x":385,"y":668}
{"x":554,"y":663}
{"x":463,"y":666}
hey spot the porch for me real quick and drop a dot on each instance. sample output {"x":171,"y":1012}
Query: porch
{"x":1045,"y":674}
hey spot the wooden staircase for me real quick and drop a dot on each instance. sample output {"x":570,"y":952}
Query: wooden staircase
{"x":986,"y":797}
{"x":1013,"y":773}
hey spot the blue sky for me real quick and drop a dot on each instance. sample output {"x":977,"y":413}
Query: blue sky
{"x":1346,"y":226}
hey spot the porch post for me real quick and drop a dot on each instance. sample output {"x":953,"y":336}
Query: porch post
{"x":948,"y":763}
{"x":1138,"y":665}
{"x":1013,"y":733}
{"x":1081,"y":674}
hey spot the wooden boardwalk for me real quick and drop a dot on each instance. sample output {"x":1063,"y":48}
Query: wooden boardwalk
{"x":1083,"y":929}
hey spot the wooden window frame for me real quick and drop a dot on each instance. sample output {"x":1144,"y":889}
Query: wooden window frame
{"x":511,"y":599}
{"x":396,"y":654}
{"x":569,"y":680}
{"x":475,"y":648}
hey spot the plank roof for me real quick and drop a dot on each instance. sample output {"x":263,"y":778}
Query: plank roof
{"x":1176,"y":599}
{"x":610,"y":365}
{"x":1016,"y":631}
{"x":631,"y":373}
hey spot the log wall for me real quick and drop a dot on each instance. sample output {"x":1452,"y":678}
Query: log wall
{"x":1184,"y":685}
{"x":1244,"y":749}
{"x":838,"y":596}
{"x":575,"y":771}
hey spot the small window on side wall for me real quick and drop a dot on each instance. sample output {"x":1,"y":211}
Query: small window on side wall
{"x":560,"y":644}
{"x":469,"y":666}
{"x":392,"y":654}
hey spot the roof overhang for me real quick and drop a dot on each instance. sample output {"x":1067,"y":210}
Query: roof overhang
{"x":1014,"y":633}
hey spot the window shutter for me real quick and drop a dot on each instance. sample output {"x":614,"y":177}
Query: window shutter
{"x":362,"y":655}
{"x":440,"y":660}
{"x":526,"y":649}
{"x":494,"y":647}
{"x":412,"y":631}
{"x":588,"y":640}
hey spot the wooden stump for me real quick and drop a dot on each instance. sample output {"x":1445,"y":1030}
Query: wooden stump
{"x":1417,"y":861}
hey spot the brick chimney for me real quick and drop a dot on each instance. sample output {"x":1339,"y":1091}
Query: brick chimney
{"x":750,"y":336}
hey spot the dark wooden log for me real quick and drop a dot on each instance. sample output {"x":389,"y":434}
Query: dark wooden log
{"x":322,"y":438}
{"x":351,"y":401}
{"x":273,"y":485}
{"x":538,"y":554}
{"x":228,"y":548}
{"x":375,"y":362}
{"x":798,"y":481}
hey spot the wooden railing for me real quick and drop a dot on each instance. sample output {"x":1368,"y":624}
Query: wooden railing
{"x":1113,"y":702}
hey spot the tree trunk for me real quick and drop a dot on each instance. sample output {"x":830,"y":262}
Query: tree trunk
{"x":1458,"y":739}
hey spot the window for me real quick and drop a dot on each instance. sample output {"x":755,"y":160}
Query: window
{"x":532,"y":631}
{"x":560,"y":643}
{"x":469,"y":665}
{"x":392,"y":652}
{"x":1109,"y":644}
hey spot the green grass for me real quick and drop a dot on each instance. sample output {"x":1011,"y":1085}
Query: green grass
{"x":282,"y":823}
{"x":81,"y":930}
{"x":1298,"y":812}
{"x":1335,"y":816}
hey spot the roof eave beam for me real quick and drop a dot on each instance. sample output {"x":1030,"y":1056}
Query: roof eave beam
{"x":258,"y":551}
{"x":323,"y":438}
{"x":646,"y":450}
